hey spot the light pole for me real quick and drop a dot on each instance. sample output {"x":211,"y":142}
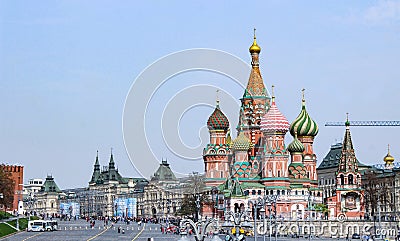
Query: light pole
{"x":309,"y":214}
{"x":257,"y":203}
{"x":271,"y":202}
{"x":262,"y":211}
{"x":198,"y":206}
{"x":214,"y":194}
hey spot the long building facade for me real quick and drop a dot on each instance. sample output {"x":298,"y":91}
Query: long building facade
{"x":258,"y":162}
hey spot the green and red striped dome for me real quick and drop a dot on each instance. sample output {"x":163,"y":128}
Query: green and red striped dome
{"x":217,"y":120}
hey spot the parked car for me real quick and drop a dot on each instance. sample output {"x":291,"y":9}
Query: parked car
{"x":355,"y":236}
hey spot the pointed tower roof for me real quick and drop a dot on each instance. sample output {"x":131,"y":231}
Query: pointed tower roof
{"x":348,"y":161}
{"x":255,"y":86}
{"x":303,"y":125}
{"x":96,"y":172}
{"x":274,"y":121}
{"x":97,"y":164}
{"x":111,"y":164}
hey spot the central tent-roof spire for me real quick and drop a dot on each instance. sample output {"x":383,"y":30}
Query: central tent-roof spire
{"x":255,"y":86}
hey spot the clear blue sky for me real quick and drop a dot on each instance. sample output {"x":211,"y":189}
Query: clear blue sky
{"x":66,"y":68}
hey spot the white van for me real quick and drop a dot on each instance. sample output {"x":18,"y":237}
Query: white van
{"x":42,"y":225}
{"x":53,"y":224}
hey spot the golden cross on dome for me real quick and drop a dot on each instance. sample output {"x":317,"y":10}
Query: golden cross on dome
{"x":302,"y":92}
{"x":217,"y":97}
{"x":254,"y":33}
{"x":388,"y":148}
{"x":272,"y":88}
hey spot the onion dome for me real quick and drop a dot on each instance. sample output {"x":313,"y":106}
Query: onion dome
{"x":388,"y":159}
{"x":303,"y":125}
{"x":217,"y":120}
{"x":254,"y":48}
{"x":274,"y":121}
{"x":241,"y":143}
{"x":296,"y":146}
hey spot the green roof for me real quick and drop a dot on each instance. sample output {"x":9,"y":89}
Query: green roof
{"x":331,"y":160}
{"x":50,"y":185}
{"x":164,"y":173}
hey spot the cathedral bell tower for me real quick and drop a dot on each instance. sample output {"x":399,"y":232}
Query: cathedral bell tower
{"x":254,"y":105}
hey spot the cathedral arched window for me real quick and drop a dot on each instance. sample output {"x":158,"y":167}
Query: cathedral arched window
{"x":341,"y":179}
{"x":351,"y":179}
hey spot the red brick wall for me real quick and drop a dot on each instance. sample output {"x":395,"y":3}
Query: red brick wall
{"x":17,"y":174}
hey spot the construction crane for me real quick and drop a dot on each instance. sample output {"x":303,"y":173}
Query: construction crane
{"x":364,"y":123}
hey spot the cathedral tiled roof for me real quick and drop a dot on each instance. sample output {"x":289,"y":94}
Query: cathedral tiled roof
{"x":274,"y":121}
{"x":241,"y":143}
{"x":217,"y":120}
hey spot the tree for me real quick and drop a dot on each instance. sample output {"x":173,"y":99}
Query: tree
{"x":6,"y":188}
{"x":322,"y":208}
{"x":377,"y":190}
{"x":194,"y":189}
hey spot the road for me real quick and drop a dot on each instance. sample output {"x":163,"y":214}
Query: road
{"x":80,"y":231}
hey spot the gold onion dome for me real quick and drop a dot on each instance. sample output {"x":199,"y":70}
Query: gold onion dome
{"x":296,"y":146}
{"x":217,"y":120}
{"x":303,"y":125}
{"x":254,"y":48}
{"x":241,"y":143}
{"x":388,"y":158}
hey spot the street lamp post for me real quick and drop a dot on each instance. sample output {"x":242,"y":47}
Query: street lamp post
{"x":198,"y":206}
{"x":257,"y":203}
{"x":214,"y":194}
{"x":309,"y":215}
{"x":262,"y":210}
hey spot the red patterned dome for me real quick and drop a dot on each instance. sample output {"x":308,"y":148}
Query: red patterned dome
{"x":274,"y":121}
{"x":217,"y":120}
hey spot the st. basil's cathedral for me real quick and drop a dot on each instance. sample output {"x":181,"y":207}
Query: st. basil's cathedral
{"x":258,"y":162}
